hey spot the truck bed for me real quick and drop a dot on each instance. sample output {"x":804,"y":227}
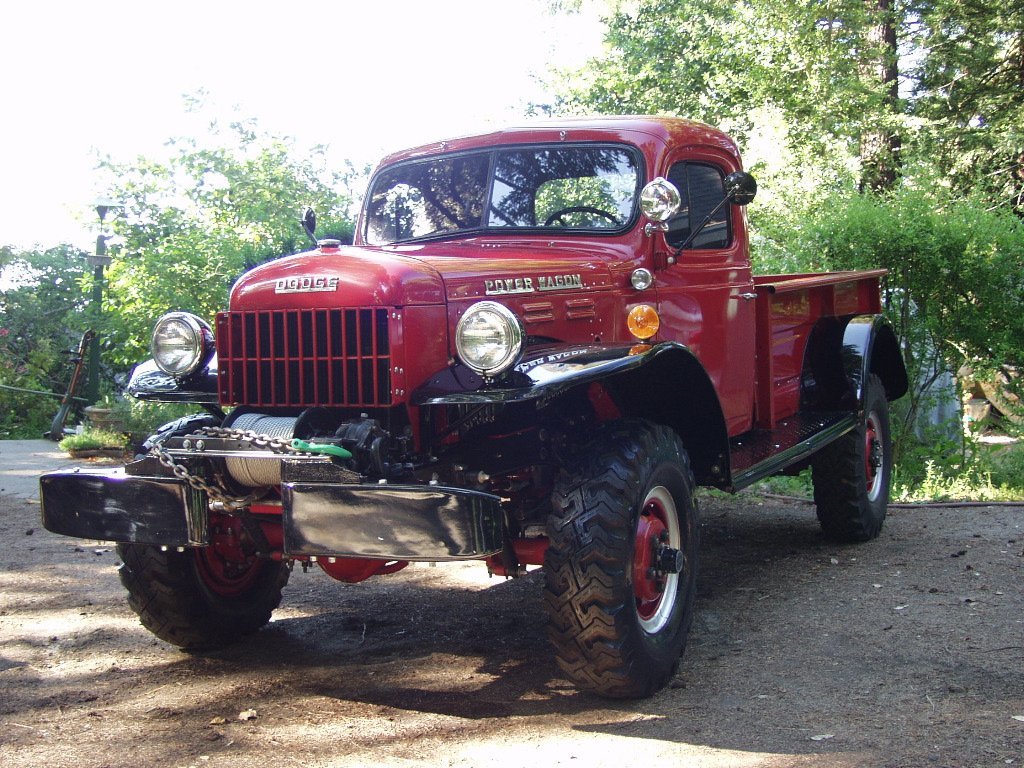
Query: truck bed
{"x":788,"y":307}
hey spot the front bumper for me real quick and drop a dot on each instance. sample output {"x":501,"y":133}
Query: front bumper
{"x":390,"y":522}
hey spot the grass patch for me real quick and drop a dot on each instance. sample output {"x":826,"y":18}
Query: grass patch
{"x":984,"y":473}
{"x":94,"y":440}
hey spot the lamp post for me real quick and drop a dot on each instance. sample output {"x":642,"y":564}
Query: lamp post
{"x":98,"y":262}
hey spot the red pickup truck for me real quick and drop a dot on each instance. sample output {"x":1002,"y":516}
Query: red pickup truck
{"x":541,"y":342}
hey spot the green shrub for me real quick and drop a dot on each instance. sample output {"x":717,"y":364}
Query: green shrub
{"x":94,"y":440}
{"x":142,"y":418}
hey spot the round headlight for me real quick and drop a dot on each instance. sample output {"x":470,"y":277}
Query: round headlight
{"x":489,"y":338}
{"x":181,"y":343}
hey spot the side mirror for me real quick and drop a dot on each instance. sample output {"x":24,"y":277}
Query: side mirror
{"x":740,"y":187}
{"x":309,"y":223}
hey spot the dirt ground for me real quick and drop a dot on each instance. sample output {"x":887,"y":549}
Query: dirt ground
{"x":908,"y":651}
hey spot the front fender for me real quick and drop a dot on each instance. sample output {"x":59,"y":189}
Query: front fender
{"x":664,"y":383}
{"x":543,"y":373}
{"x":148,"y":382}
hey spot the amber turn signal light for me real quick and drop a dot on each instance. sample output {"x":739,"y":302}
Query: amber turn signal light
{"x":643,"y":321}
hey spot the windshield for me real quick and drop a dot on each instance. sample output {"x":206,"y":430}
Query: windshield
{"x":571,"y":188}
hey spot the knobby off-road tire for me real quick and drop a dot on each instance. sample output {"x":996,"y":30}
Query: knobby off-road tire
{"x":618,"y":624}
{"x":851,"y":476}
{"x":190,"y":600}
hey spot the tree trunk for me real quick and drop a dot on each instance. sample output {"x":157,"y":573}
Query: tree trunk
{"x":880,"y":144}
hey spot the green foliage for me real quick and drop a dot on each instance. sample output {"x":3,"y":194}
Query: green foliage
{"x":970,"y":88}
{"x":810,"y":65}
{"x":1005,"y":465}
{"x":981,"y":473}
{"x":828,"y":74}
{"x":955,"y":295}
{"x":956,"y":269}
{"x":94,"y":440}
{"x":143,"y":418}
{"x":40,"y":319}
{"x":193,"y":223}
{"x":196,"y":221}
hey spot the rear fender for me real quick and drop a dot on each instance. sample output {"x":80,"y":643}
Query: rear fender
{"x":870,"y":347}
{"x":842,"y":353}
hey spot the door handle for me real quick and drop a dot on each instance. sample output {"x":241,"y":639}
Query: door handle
{"x":747,"y":296}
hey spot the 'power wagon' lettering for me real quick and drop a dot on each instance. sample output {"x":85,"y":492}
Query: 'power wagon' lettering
{"x":510,"y":285}
{"x":558,"y":282}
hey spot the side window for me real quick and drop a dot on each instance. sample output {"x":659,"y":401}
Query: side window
{"x":701,"y":187}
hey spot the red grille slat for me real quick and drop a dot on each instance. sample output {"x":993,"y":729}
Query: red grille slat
{"x":304,"y":358}
{"x":373,"y":366}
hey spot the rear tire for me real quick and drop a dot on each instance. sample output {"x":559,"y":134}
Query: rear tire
{"x":623,"y":518}
{"x":196,"y":601}
{"x":851,"y":476}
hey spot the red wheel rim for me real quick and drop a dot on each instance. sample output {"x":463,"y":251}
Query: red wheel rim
{"x":654,"y":592}
{"x":873,"y":471}
{"x":225,"y":577}
{"x":648,"y":588}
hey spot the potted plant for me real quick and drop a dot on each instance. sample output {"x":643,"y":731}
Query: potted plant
{"x":105,"y":415}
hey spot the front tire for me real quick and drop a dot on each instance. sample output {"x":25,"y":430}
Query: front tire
{"x":621,"y":565}
{"x":851,"y":476}
{"x":194,"y":599}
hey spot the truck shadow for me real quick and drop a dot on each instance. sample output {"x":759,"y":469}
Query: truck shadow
{"x":482,"y":653}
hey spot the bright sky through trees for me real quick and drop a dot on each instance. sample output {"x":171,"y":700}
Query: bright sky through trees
{"x":363,"y":78}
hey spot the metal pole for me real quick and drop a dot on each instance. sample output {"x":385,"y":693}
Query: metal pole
{"x":92,"y":385}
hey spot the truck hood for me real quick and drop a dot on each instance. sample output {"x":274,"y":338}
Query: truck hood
{"x":477,"y":268}
{"x":338,"y":277}
{"x":429,"y":273}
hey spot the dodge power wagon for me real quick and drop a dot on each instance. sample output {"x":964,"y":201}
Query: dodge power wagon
{"x":541,"y":342}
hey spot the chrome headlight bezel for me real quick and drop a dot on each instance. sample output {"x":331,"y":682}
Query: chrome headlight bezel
{"x":181,"y":344}
{"x":489,"y":323}
{"x":660,"y":200}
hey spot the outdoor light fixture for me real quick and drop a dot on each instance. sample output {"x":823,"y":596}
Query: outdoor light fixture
{"x":98,"y":260}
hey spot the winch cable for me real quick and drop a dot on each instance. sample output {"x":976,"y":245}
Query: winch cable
{"x":260,"y":472}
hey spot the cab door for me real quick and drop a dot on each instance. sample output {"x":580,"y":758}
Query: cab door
{"x":706,"y":296}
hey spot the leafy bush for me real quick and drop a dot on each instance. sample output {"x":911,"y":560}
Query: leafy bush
{"x":143,"y":418}
{"x":1005,"y":466}
{"x":954,"y":294}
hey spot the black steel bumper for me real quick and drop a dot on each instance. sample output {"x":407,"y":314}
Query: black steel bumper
{"x":392,"y":522}
{"x":110,"y":505}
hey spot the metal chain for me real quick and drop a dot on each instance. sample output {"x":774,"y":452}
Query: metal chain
{"x":219,"y":492}
{"x":274,"y":444}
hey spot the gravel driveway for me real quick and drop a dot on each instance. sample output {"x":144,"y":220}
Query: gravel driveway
{"x":908,"y":651}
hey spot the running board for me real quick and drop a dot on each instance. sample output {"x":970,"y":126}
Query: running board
{"x":765,"y":452}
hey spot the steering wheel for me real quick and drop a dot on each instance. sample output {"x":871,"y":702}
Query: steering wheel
{"x":580,"y":209}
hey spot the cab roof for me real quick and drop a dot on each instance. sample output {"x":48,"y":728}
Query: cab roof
{"x":637,"y":130}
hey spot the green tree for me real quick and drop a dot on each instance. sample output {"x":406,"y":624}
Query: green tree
{"x":969,"y":86}
{"x":195,"y":221}
{"x":40,"y":319}
{"x":827,"y":70}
